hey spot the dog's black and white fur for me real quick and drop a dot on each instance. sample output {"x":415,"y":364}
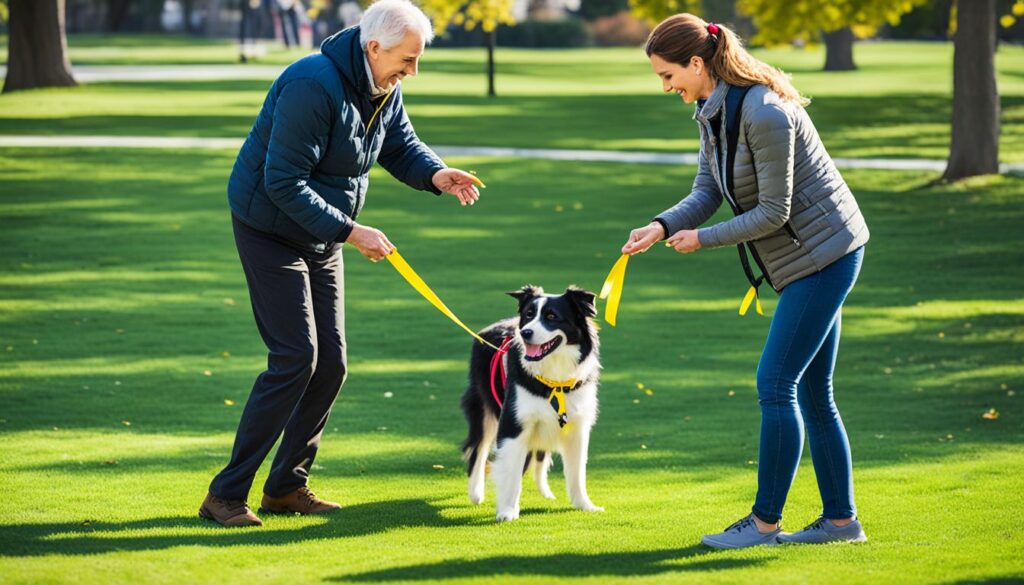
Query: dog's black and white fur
{"x":554,"y":337}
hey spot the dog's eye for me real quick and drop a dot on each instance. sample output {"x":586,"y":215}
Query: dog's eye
{"x":551,"y":317}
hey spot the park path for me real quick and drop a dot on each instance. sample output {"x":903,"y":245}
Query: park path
{"x":613,"y":156}
{"x":142,"y":73}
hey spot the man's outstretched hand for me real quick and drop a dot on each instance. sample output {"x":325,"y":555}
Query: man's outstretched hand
{"x":458,"y":183}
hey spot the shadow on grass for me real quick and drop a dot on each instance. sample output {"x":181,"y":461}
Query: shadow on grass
{"x":620,"y":564}
{"x":95,"y":537}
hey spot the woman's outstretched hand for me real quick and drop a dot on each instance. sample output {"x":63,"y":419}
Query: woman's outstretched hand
{"x":684,"y":241}
{"x":643,"y":238}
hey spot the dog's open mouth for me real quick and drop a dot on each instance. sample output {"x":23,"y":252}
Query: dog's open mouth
{"x":537,"y":352}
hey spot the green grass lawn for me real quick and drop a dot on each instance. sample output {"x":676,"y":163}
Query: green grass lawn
{"x":896,"y":105}
{"x":125,"y":336}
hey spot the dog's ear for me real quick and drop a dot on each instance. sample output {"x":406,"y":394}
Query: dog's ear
{"x":526,"y":293}
{"x":582,"y":299}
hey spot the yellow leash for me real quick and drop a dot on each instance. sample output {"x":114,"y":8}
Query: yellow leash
{"x":612,"y":289}
{"x":751,"y":296}
{"x":421,"y":287}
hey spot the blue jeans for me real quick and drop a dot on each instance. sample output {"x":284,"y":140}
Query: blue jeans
{"x":794,"y":388}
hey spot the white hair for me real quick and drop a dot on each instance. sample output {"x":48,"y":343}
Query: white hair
{"x":387,"y":22}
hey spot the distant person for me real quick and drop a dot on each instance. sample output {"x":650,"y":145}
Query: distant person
{"x":297,"y":187}
{"x":796,"y":215}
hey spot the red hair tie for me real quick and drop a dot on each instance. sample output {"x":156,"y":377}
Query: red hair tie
{"x":713,"y":28}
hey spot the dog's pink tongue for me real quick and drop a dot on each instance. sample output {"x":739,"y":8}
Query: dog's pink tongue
{"x":533,"y":350}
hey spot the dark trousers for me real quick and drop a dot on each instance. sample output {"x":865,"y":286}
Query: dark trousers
{"x":297,"y":298}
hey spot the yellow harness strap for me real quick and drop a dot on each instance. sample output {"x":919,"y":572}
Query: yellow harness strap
{"x":421,"y":287}
{"x":557,"y":398}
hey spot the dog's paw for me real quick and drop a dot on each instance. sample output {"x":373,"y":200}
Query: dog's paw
{"x":476,"y":495}
{"x":507,"y":515}
{"x":546,"y":493}
{"x":589,"y":507}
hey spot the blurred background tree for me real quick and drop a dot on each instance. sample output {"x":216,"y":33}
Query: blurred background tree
{"x":485,"y":14}
{"x":836,"y":22}
{"x":36,"y":45}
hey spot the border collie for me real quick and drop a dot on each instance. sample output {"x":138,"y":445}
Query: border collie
{"x":546,"y":403}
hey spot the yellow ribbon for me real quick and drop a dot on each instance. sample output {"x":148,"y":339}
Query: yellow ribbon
{"x":751,"y":296}
{"x":612,"y":289}
{"x":421,"y":287}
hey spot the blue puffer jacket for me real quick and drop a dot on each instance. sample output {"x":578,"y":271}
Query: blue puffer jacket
{"x":303,"y":171}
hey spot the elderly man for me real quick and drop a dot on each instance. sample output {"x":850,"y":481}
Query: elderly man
{"x":296,"y":189}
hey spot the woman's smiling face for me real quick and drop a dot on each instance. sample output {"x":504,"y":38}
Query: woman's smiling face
{"x":687,"y":82}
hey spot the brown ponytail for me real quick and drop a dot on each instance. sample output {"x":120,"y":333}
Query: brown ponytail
{"x":678,"y":38}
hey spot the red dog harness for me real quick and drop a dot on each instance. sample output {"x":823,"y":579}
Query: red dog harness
{"x":496,"y":365}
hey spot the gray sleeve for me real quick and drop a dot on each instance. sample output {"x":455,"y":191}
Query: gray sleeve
{"x":770,"y":135}
{"x":703,"y":201}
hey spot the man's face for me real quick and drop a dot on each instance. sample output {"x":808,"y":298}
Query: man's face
{"x":389,"y":66}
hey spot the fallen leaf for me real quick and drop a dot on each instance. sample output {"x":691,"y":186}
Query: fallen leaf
{"x":438,"y":467}
{"x":636,"y":401}
{"x":207,"y":373}
{"x":643,"y":446}
{"x":732,"y":393}
{"x":389,"y":394}
{"x":648,"y":392}
{"x":126,"y":423}
{"x":639,"y":386}
{"x":559,"y":209}
{"x":229,"y":302}
{"x":229,"y":402}
{"x":225,"y":354}
{"x":110,"y":462}
{"x":942,"y":335}
{"x":992,"y":414}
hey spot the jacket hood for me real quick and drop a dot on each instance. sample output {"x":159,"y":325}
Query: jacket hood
{"x":343,"y":49}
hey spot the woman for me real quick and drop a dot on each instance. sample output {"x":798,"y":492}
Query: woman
{"x":802,"y":225}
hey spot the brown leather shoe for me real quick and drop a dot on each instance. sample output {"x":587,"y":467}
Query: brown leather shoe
{"x":301,"y":501}
{"x":228,"y":512}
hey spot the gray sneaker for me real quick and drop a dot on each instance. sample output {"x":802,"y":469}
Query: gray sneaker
{"x":823,"y":530}
{"x":741,"y":534}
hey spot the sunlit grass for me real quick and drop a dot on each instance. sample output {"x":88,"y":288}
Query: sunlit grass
{"x":127,"y":350}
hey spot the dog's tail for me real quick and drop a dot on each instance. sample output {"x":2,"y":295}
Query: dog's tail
{"x":473,"y":408}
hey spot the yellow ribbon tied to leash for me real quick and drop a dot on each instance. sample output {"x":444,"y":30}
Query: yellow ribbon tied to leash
{"x":612,"y":289}
{"x":421,"y":287}
{"x":751,"y":297}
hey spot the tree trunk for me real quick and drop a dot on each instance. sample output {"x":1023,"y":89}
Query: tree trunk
{"x":839,"y":50}
{"x":116,"y":12}
{"x":974,"y":149}
{"x":492,"y":40}
{"x":37,"y":46}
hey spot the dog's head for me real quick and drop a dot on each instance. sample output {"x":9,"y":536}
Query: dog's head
{"x":550,"y":323}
